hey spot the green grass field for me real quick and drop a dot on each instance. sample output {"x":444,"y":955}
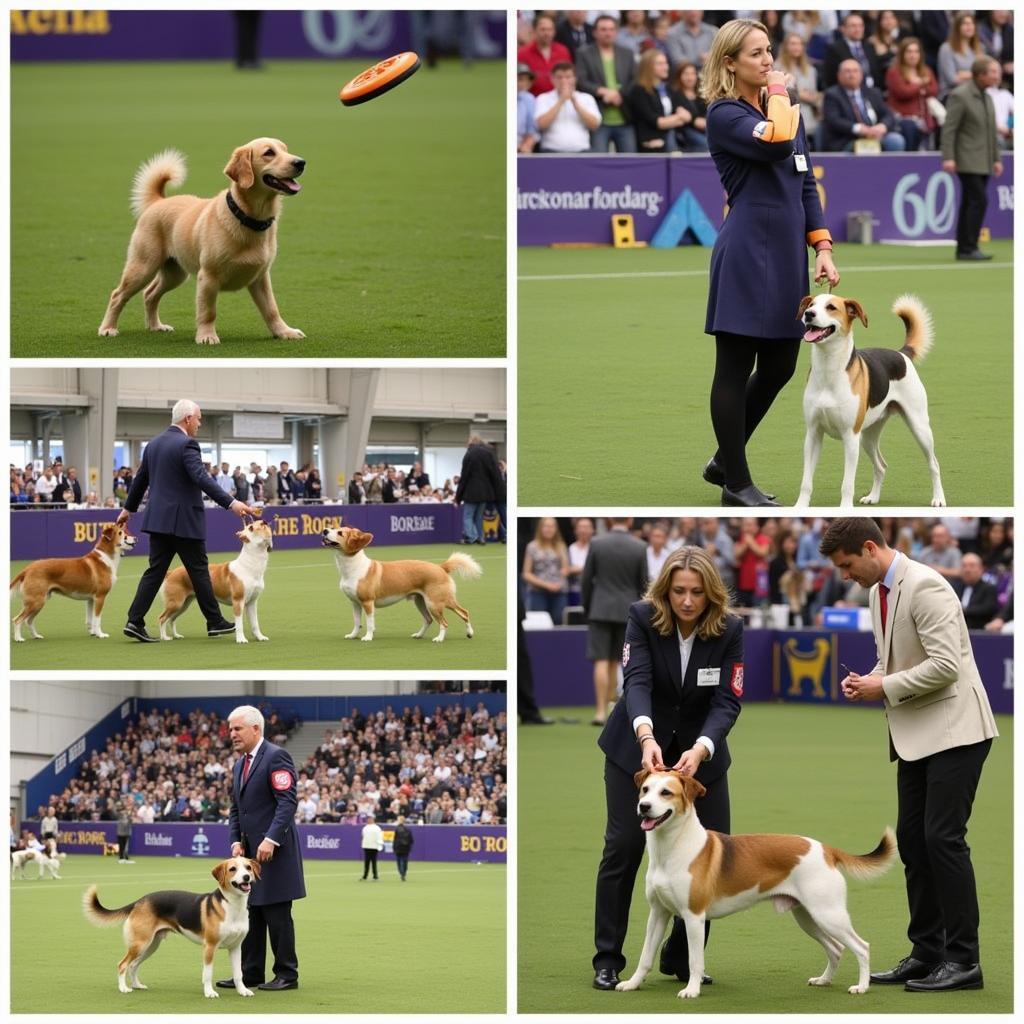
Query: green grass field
{"x":820,"y":772}
{"x":303,"y":612}
{"x":394,"y":248}
{"x":622,"y":331}
{"x":384,"y":946}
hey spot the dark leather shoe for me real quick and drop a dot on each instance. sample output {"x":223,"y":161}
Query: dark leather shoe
{"x":537,"y":720}
{"x":976,"y":255}
{"x":229,"y":983}
{"x":221,"y":628}
{"x":278,"y":985}
{"x":948,"y":977}
{"x":136,"y":632}
{"x":906,"y":970}
{"x":606,"y":978}
{"x":715,"y":475}
{"x":750,"y":497}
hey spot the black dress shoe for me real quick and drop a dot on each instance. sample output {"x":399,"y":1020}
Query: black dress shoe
{"x":537,"y":720}
{"x":221,"y":628}
{"x":750,"y":496}
{"x":229,"y":983}
{"x":278,"y":985}
{"x":948,"y":977}
{"x":137,"y":632}
{"x":715,"y":475}
{"x":906,"y":970}
{"x":606,"y":978}
{"x":976,"y":255}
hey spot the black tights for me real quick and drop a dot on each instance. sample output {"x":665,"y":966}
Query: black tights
{"x":740,"y":398}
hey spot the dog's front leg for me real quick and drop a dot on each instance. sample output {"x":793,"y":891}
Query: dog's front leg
{"x":236,"y":971}
{"x":263,"y":295}
{"x":95,"y":610}
{"x":368,"y":612}
{"x":812,"y":449}
{"x":238,"y":609}
{"x":209,"y":949}
{"x":851,"y":453}
{"x":254,"y":624}
{"x":657,"y":922}
{"x":206,"y":311}
{"x":357,"y":616}
{"x":695,"y":940}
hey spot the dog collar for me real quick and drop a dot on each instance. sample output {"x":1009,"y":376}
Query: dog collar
{"x":243,"y":218}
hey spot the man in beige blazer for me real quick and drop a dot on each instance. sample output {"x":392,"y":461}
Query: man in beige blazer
{"x":940,"y":730}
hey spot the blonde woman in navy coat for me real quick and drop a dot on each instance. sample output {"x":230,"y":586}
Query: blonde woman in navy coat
{"x":759,"y":263}
{"x":683,"y":667}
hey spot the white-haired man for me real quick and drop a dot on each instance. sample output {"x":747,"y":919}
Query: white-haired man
{"x":262,"y":821}
{"x":174,"y":518}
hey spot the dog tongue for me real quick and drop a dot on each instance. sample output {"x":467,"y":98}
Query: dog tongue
{"x":291,"y":184}
{"x":648,"y":823}
{"x":815,"y":333}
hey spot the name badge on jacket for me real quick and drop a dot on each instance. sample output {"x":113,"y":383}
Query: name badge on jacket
{"x":708,"y":676}
{"x":800,"y":162}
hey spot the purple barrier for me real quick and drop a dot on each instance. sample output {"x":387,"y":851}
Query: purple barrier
{"x":790,"y":665}
{"x":910,"y":197}
{"x":210,"y":35}
{"x":63,"y":534}
{"x":319,"y":842}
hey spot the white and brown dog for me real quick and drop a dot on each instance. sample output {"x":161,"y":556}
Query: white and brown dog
{"x":698,"y":875}
{"x":369,"y":584}
{"x":238,"y":583}
{"x":851,"y":392}
{"x":46,"y":859}
{"x":215,"y":920}
{"x":88,"y":578}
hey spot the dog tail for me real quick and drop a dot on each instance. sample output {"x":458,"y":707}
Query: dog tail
{"x":166,"y":168}
{"x":866,"y":866}
{"x":462,"y":565}
{"x":16,"y":583}
{"x":98,"y":914}
{"x":918,"y":322}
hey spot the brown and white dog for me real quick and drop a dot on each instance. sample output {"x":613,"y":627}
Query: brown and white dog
{"x":238,"y":583}
{"x":88,"y":578}
{"x":698,"y":875}
{"x":851,"y":392}
{"x":369,"y":584}
{"x":47,"y":860}
{"x":215,"y":920}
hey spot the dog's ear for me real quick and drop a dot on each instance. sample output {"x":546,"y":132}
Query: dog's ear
{"x":855,"y":309}
{"x":640,"y":777}
{"x":239,"y":168}
{"x":220,"y":872}
{"x":254,"y":866}
{"x":804,"y":303}
{"x":692,"y":789}
{"x":109,"y":530}
{"x":364,"y":539}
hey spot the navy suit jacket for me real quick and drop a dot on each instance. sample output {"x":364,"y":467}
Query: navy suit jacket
{"x":679,"y":708}
{"x":264,"y":808}
{"x":172,"y":468}
{"x":839,"y":115}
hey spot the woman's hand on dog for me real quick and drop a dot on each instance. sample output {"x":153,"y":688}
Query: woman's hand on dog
{"x":652,"y":759}
{"x":690,"y":761}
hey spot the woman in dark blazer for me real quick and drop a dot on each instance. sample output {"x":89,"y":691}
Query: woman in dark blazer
{"x":759,"y":263}
{"x":650,"y":106}
{"x":683,"y":667}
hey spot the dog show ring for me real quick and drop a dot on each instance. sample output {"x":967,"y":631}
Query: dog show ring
{"x":380,"y":78}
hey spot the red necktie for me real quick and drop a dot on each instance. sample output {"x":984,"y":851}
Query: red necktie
{"x":245,"y":768}
{"x":883,"y":597}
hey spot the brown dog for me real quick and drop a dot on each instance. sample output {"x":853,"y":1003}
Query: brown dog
{"x":227,"y":242}
{"x":368,"y":583}
{"x":88,"y":578}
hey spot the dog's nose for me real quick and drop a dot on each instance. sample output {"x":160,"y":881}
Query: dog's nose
{"x":299,"y":165}
{"x":644,"y":808}
{"x":323,"y":533}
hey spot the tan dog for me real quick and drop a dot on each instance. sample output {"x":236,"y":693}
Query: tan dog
{"x":698,"y":875}
{"x":88,"y":578}
{"x":368,"y":583}
{"x":227,"y":242}
{"x":238,"y":583}
{"x":216,"y":920}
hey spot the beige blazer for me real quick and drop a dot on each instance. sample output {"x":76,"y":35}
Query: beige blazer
{"x":934,"y":697}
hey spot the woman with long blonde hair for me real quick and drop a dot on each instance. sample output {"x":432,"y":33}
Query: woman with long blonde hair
{"x":546,"y":570}
{"x":759,"y":264}
{"x":683,"y":670}
{"x":650,"y":105}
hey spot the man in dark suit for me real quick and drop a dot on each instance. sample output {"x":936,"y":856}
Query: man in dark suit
{"x":850,"y":45}
{"x":479,"y":483}
{"x":172,"y":469}
{"x":979,"y":600}
{"x":592,"y":74}
{"x":573,"y":31}
{"x":853,"y":111}
{"x":614,"y":576}
{"x":262,"y":821}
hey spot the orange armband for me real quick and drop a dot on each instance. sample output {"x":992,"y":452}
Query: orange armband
{"x":783,"y":118}
{"x":821,"y":235}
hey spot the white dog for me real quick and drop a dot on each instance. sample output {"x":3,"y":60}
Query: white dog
{"x":851,"y":392}
{"x":45,"y":857}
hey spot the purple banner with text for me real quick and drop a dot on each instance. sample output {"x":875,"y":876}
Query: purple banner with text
{"x":479,"y":843}
{"x":791,"y":665}
{"x":62,"y":534}
{"x":909,"y":197}
{"x":210,"y":35}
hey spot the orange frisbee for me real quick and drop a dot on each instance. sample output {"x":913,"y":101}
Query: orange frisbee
{"x":380,"y":78}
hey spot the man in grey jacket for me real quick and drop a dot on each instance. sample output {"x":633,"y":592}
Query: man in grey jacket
{"x":614,"y":576}
{"x":970,"y":149}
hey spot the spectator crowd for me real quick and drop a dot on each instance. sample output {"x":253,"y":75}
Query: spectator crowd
{"x":865,"y":80}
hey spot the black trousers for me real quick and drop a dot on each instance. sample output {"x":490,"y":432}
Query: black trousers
{"x":624,"y":845}
{"x":274,"y":919}
{"x":369,"y":860}
{"x":936,"y":795}
{"x":192,"y":552}
{"x":122,"y":847}
{"x":971,"y":215}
